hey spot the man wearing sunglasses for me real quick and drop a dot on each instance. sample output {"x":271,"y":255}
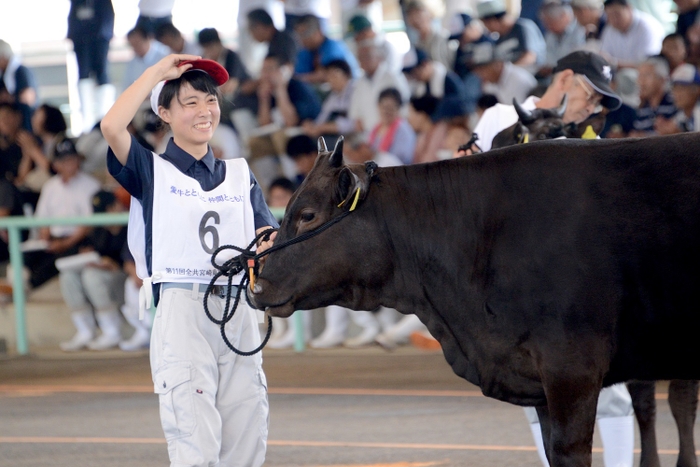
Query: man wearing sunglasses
{"x":584,"y":77}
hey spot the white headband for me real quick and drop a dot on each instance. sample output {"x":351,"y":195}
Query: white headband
{"x":155,"y":94}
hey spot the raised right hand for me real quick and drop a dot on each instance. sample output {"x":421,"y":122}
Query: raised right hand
{"x":169,"y":67}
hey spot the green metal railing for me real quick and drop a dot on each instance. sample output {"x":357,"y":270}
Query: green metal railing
{"x":14,"y":226}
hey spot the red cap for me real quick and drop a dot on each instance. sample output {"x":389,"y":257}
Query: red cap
{"x":211,"y":67}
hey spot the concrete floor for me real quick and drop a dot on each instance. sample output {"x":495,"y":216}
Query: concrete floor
{"x":340,"y":407}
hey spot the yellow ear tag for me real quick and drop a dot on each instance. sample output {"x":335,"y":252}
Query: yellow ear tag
{"x":357,"y":197}
{"x":354,"y":201}
{"x":589,"y":133}
{"x":526,"y":138}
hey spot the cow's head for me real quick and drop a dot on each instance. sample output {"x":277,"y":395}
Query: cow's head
{"x":317,"y":271}
{"x":533,"y":125}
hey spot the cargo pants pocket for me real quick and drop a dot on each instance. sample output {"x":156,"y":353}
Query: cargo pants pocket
{"x":172,"y":383}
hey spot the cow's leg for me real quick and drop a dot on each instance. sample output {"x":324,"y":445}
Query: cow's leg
{"x":683,"y":399}
{"x":642,"y":393}
{"x":571,"y":402}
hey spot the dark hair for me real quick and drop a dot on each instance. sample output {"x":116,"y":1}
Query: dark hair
{"x":54,"y":122}
{"x":615,"y":2}
{"x":310,"y":21}
{"x":167,"y":29}
{"x":284,"y":183}
{"x":486,"y":101}
{"x":281,"y":60}
{"x":426,"y":104}
{"x":391,"y":93}
{"x":12,"y":107}
{"x":674,"y":35}
{"x":300,"y":145}
{"x":208,"y":36}
{"x":260,"y":16}
{"x":198,"y":80}
{"x":498,"y":15}
{"x":341,"y":65}
{"x":139,"y":30}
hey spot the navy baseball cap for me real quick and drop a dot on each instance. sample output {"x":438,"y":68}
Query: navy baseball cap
{"x":597,"y":72}
{"x":414,"y":58}
{"x":102,"y":200}
{"x":457,"y":25}
{"x":65,"y":148}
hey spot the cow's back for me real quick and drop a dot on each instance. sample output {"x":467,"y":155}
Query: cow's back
{"x":606,"y":241}
{"x":590,"y":242}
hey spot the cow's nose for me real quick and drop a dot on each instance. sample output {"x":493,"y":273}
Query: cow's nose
{"x":257,"y":288}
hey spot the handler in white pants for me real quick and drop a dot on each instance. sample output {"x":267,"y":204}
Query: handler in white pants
{"x":193,"y":362}
{"x":615,"y":417}
{"x":185,"y":203}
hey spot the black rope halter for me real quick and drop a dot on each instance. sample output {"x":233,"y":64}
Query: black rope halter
{"x":249,"y":259}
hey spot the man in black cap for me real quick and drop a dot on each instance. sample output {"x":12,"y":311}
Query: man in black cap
{"x":584,"y":77}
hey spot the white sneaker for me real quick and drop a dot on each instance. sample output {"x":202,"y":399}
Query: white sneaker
{"x":389,"y":341}
{"x":327,"y":341}
{"x":139,"y":341}
{"x":78,"y":342}
{"x":104,"y":342}
{"x":366,"y":337}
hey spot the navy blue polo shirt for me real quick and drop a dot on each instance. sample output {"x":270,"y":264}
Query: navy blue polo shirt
{"x":137,"y":178}
{"x":646,"y":115}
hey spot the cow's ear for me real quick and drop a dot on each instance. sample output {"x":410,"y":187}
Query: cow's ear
{"x":336,"y":159}
{"x":352,"y":186}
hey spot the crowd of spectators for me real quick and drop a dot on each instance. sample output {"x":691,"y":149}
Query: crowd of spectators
{"x":393,"y":108}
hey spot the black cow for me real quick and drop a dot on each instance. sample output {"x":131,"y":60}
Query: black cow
{"x":542,"y":124}
{"x":546,"y":271}
{"x":533,"y":125}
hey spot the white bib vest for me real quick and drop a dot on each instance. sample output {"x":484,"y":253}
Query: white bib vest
{"x":189,"y":223}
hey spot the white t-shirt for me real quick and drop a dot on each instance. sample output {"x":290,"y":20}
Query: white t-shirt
{"x":385,"y":159}
{"x":642,"y":40}
{"x":497,"y":118}
{"x":515,"y":82}
{"x":364,"y":103}
{"x":156,"y":8}
{"x":319,"y":8}
{"x":72,"y":199}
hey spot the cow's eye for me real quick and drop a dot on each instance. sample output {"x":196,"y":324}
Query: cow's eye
{"x":307,"y":216}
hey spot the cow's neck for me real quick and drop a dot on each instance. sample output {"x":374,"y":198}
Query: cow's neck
{"x":426,"y":215}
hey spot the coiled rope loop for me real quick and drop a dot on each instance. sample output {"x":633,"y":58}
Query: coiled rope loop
{"x":249,"y":256}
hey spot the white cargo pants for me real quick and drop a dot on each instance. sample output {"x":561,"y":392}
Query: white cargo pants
{"x":213,"y":403}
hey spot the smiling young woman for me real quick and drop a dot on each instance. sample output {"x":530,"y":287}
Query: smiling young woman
{"x":184,"y":202}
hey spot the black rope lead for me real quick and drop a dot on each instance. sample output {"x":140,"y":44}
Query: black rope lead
{"x":229,"y":269}
{"x":239,"y":263}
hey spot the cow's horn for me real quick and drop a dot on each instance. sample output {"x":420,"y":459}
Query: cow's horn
{"x":336,"y":159}
{"x":322,"y":145}
{"x":524,"y":115}
{"x":562,"y":107}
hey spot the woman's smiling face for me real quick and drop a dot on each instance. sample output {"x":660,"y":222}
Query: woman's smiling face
{"x":193,"y":116}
